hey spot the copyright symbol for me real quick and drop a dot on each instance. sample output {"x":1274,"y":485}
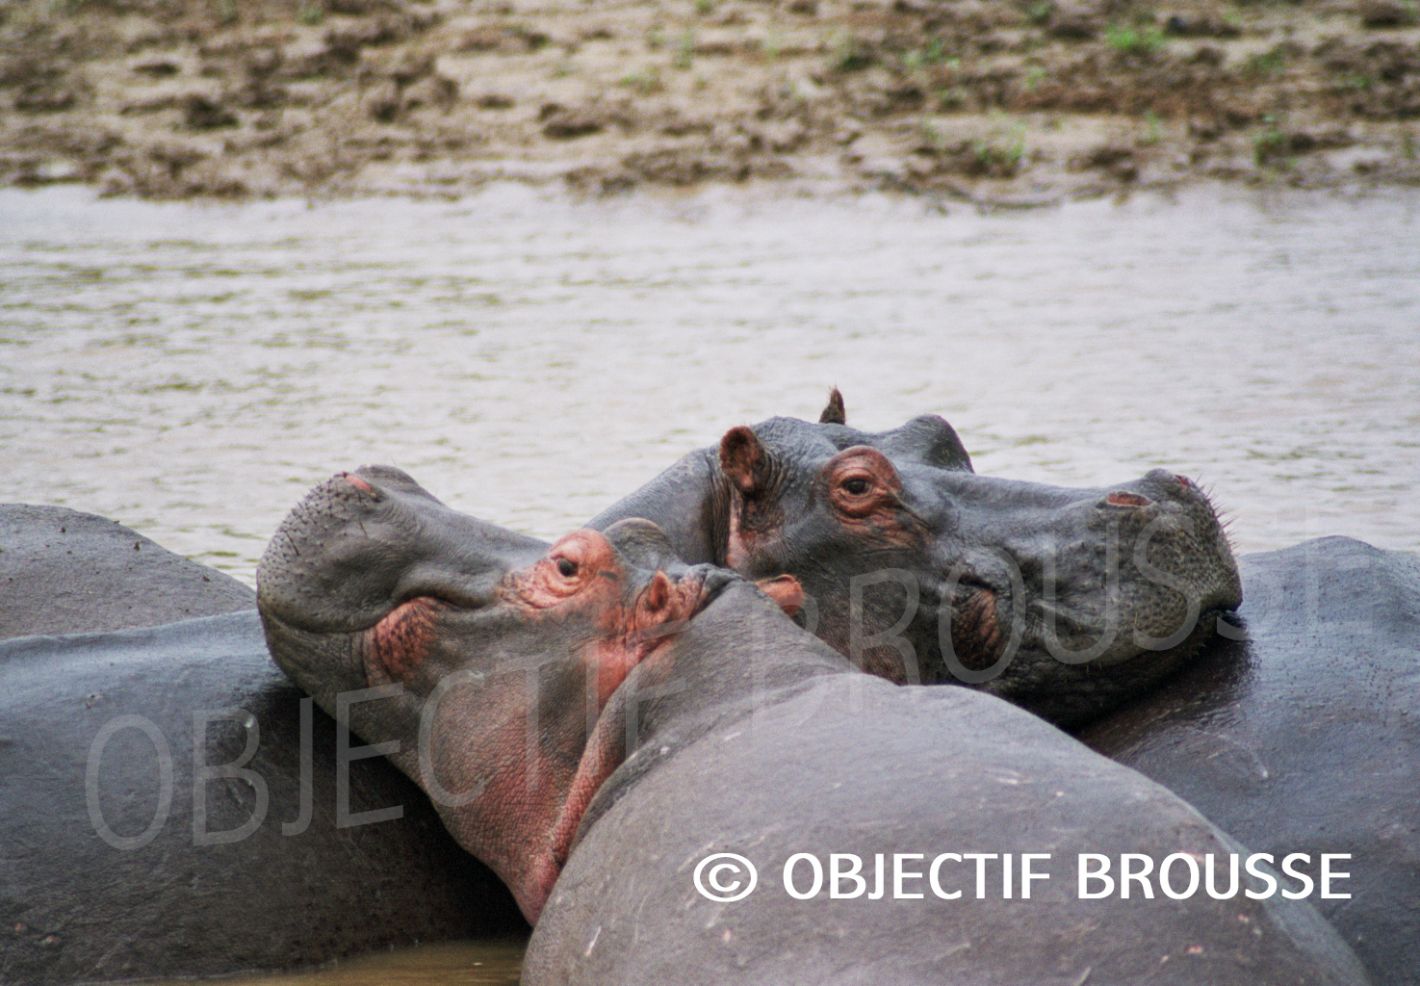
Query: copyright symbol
{"x":725,"y":877}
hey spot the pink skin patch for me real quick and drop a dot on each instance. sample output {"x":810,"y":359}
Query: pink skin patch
{"x":583,"y":571}
{"x":357,"y":482}
{"x":784,"y":590}
{"x":399,"y":643}
{"x":660,"y":609}
{"x":1119,"y":498}
{"x":576,"y":562}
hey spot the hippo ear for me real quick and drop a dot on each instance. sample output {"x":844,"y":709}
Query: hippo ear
{"x":833,"y":413}
{"x":785,"y":590}
{"x":930,"y":437}
{"x":745,"y":460}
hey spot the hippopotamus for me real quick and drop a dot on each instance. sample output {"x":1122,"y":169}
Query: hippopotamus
{"x":1251,"y":733}
{"x":127,"y":854}
{"x":1303,"y":731}
{"x":598,"y":722}
{"x":62,"y":571}
{"x":1065,"y":601}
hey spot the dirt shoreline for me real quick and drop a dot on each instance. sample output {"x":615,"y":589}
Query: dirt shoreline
{"x":1005,"y":102}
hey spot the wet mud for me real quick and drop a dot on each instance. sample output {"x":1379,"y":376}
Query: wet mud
{"x":1004,"y":102}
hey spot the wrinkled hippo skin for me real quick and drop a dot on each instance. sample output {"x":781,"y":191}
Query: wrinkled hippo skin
{"x":74,"y":908}
{"x":1065,"y":601}
{"x":595,"y":717}
{"x":1306,"y":735}
{"x":62,"y":571}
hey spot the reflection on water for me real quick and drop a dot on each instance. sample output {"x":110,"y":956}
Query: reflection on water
{"x":464,"y":963}
{"x":192,"y":369}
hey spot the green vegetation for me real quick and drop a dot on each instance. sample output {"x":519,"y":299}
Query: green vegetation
{"x":1040,"y":11}
{"x":771,"y":44}
{"x":310,"y":12}
{"x":644,"y":80}
{"x":1034,"y":76}
{"x":996,"y":158}
{"x":1000,"y":154}
{"x":1154,"y":129}
{"x":1004,"y":152}
{"x":951,"y":97}
{"x":685,"y":51}
{"x":1272,"y":62}
{"x":704,"y":7}
{"x":934,"y":52}
{"x":1270,"y":143}
{"x":932,"y":135}
{"x":1141,"y":40}
{"x":849,"y":53}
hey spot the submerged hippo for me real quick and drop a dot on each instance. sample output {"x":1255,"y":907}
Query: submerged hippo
{"x":1306,"y":734}
{"x":1065,"y":601}
{"x":117,"y":867}
{"x":593,"y":720}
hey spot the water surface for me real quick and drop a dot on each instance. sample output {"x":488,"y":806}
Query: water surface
{"x":465,"y":963}
{"x":191,"y":369}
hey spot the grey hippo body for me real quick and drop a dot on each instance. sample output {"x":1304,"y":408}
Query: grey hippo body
{"x":1305,"y":735}
{"x":594,"y":718}
{"x":299,"y":889}
{"x":63,"y":571}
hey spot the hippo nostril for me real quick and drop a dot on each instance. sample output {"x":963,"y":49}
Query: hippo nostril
{"x":1122,"y":498}
{"x":355,"y":481}
{"x":1184,"y":481}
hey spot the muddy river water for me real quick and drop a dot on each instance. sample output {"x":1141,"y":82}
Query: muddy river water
{"x":191,"y":369}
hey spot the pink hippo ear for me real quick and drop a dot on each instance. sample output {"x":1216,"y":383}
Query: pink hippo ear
{"x":745,"y":461}
{"x":833,"y":412}
{"x":784,"y":590}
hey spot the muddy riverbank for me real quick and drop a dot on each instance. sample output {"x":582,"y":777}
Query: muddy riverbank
{"x":1000,"y":101}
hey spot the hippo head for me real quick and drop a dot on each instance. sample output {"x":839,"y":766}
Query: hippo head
{"x":479,"y":658}
{"x":1062,"y":600}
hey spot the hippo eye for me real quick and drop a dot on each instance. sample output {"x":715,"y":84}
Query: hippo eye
{"x":856,"y":485}
{"x":566,"y":567}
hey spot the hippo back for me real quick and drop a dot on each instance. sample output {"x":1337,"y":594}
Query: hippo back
{"x":102,"y":876}
{"x":850,"y":764}
{"x":1306,"y":736}
{"x":62,"y":571}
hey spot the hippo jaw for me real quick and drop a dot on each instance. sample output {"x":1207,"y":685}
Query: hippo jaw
{"x":485,"y":657}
